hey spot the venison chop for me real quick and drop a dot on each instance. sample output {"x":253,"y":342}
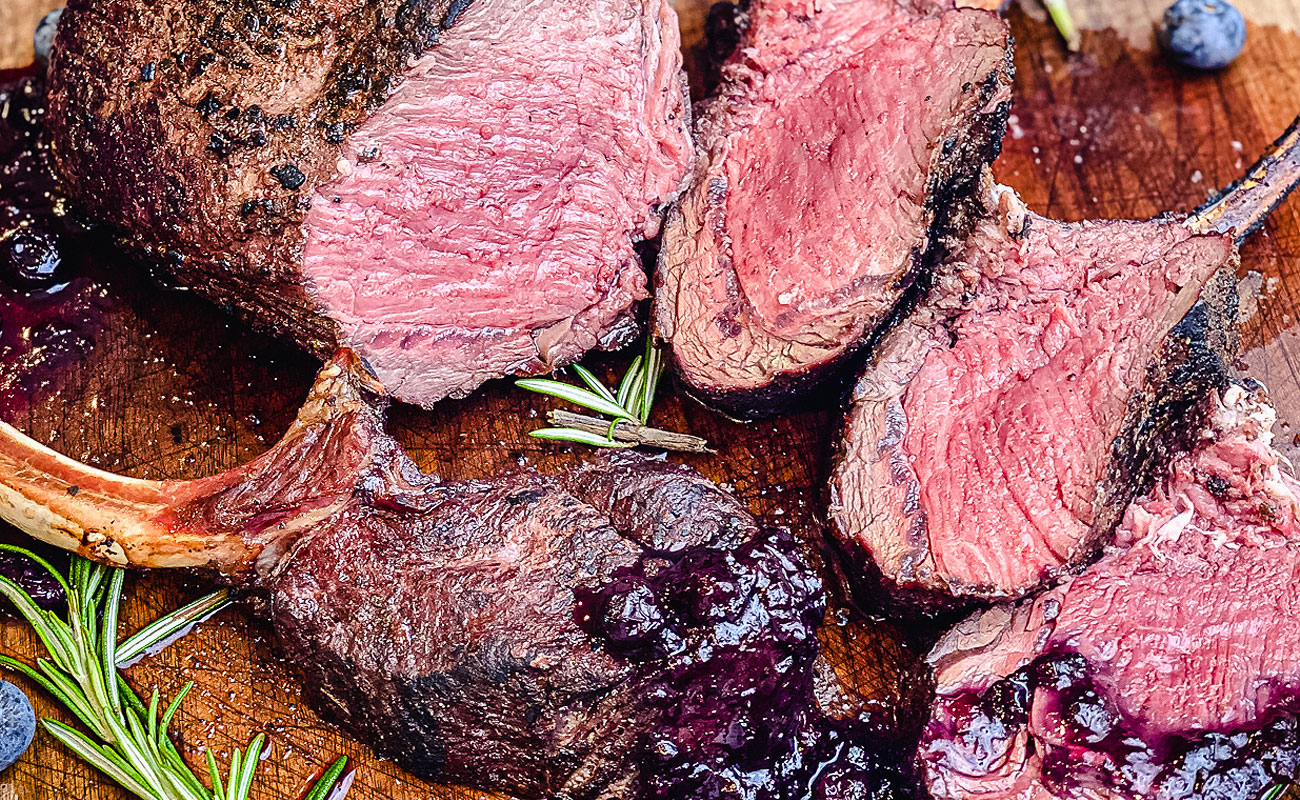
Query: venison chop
{"x":999,"y":432}
{"x":451,"y":188}
{"x":844,"y":143}
{"x":625,"y":630}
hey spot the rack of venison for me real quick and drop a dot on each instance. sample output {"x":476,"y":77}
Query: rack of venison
{"x":998,"y":433}
{"x":1036,"y":396}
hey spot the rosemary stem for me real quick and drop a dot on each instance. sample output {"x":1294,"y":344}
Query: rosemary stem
{"x":1060,"y":14}
{"x":630,"y":432}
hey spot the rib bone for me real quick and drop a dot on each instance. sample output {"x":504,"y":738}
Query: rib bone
{"x":199,"y":523}
{"x":1244,"y":205}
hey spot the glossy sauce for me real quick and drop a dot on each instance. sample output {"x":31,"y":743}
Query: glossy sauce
{"x":50,"y":307}
{"x":1092,"y":745}
{"x":728,"y":637}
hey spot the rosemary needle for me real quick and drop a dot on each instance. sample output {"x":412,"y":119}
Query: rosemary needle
{"x":127,"y":741}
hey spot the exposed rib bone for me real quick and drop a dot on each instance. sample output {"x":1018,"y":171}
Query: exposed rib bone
{"x":207,"y":522}
{"x":1242,"y":207}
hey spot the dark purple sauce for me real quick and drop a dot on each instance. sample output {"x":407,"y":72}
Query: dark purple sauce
{"x":1094,"y":746}
{"x":50,"y":310}
{"x":33,"y":578}
{"x":728,"y":637}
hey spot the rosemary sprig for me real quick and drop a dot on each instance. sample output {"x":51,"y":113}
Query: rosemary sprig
{"x":1060,"y":14}
{"x":627,"y":409}
{"x":128,"y":740}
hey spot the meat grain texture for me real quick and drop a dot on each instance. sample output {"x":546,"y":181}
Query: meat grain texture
{"x":1167,"y":669}
{"x":453,"y":189}
{"x":841,"y":147}
{"x":998,"y":433}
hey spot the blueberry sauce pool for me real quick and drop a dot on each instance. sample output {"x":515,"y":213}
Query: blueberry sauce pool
{"x":727,"y":638}
{"x":1089,"y":744}
{"x":50,"y":309}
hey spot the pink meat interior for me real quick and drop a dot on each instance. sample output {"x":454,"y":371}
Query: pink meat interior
{"x":1010,"y":430}
{"x":829,"y":181}
{"x":483,"y":218}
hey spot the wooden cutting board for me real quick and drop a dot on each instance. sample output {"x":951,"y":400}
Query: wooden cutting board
{"x":171,"y":388}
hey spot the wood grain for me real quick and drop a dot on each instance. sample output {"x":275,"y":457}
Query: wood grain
{"x":173,"y":389}
{"x":18,"y":18}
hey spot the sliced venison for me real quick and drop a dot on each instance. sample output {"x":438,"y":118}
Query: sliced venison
{"x":451,"y":188}
{"x":843,"y":143}
{"x":1167,"y":669}
{"x":998,"y":433}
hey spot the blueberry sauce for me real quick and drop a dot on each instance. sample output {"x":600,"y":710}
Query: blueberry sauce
{"x":727,"y":639}
{"x":33,"y":578}
{"x":1083,"y":741}
{"x":50,"y":311}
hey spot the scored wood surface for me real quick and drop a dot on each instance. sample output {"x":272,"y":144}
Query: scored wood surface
{"x":171,"y":388}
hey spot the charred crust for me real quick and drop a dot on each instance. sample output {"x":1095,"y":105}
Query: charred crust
{"x":190,"y":118}
{"x":869,"y":587}
{"x":745,"y":405}
{"x":208,"y":106}
{"x":1166,"y":416}
{"x":723,"y":28}
{"x":1218,"y":486}
{"x":289,"y":176}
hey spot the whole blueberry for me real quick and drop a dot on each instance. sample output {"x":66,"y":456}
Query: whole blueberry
{"x":44,"y":36}
{"x":17,"y":724}
{"x":1203,"y":34}
{"x":30,"y":259}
